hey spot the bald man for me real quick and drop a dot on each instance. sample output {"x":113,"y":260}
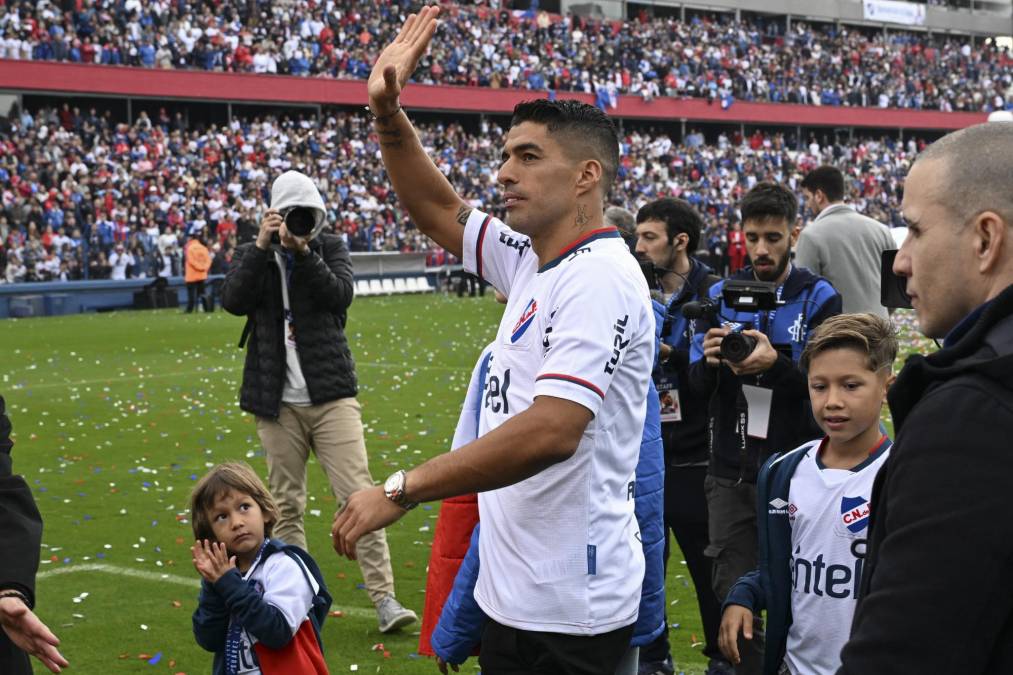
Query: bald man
{"x":937,"y":583}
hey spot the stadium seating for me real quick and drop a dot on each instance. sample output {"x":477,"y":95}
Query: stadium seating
{"x":709,"y":56}
{"x":123,"y":188}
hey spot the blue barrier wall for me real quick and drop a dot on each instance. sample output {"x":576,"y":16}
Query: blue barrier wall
{"x":72,"y":297}
{"x":53,"y":298}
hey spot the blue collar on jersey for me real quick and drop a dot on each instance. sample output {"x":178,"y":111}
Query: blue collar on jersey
{"x":882,"y":445}
{"x":602,"y":233}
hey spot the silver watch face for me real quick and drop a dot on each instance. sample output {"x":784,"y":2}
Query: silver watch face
{"x":392,"y":485}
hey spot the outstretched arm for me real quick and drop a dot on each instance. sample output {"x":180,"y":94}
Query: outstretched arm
{"x":30,"y":634}
{"x":431,"y":201}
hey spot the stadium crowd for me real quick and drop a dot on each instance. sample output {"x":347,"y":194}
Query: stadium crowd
{"x":714,"y":56}
{"x":87,"y":196}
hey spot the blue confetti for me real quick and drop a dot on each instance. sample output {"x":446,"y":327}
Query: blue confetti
{"x":155,"y":659}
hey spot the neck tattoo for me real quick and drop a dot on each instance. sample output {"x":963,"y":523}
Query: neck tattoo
{"x":583,"y":218}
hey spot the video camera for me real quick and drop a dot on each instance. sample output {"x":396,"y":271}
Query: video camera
{"x":742,"y":296}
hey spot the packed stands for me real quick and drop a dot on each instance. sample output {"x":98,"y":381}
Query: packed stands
{"x":85,"y":194}
{"x":708,"y":56}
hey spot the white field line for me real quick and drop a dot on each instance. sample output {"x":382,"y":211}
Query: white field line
{"x":189,"y":582}
{"x":159,"y":376}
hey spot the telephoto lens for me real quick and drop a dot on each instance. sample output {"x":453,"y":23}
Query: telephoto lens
{"x":300,"y":221}
{"x":735,"y":347}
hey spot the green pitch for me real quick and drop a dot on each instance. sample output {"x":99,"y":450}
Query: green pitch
{"x":115,"y":415}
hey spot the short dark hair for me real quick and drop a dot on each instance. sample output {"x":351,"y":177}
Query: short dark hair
{"x":679,"y":218}
{"x":769,"y":200}
{"x":827,"y":178}
{"x":583,"y":124}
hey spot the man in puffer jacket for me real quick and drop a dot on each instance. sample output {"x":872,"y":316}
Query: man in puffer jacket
{"x":294,"y":283}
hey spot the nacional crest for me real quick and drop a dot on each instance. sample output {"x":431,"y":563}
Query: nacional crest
{"x":855,"y":513}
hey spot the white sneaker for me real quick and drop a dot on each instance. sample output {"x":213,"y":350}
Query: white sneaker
{"x":392,"y":616}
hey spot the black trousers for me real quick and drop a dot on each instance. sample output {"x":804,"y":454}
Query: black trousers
{"x":195,"y":290}
{"x":686,"y":517}
{"x":509,"y":651}
{"x":731,"y":511}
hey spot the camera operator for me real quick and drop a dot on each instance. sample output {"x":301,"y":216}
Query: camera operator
{"x":667,"y":231}
{"x":758,"y":400}
{"x":295,"y":285}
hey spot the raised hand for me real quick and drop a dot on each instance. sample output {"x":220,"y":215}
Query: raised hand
{"x":211,"y":560}
{"x":399,"y":59}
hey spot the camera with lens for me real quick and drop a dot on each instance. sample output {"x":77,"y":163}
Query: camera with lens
{"x":300,"y":220}
{"x":741,"y":296}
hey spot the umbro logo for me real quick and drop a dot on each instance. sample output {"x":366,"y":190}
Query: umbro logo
{"x":778,"y":507}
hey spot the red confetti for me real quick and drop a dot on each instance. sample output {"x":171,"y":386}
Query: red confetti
{"x":337,"y":613}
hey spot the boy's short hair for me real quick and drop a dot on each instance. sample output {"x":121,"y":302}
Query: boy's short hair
{"x":238,"y":476}
{"x":872,"y":335}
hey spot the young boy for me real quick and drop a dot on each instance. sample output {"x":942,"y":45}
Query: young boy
{"x":814,"y":506}
{"x":259,"y":612}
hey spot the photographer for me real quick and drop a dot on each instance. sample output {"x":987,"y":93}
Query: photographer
{"x":758,"y":398}
{"x":667,"y":230}
{"x":295,"y":285}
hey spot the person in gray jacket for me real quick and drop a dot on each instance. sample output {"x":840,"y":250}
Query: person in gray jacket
{"x":841,"y":244}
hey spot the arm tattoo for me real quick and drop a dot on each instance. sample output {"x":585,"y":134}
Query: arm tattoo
{"x":463,"y":214}
{"x":389,"y":137}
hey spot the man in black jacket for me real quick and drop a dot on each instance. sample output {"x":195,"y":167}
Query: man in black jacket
{"x":668,"y":231}
{"x":294,"y":283}
{"x":937,"y":584}
{"x":20,"y":537}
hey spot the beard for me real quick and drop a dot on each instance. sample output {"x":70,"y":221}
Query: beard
{"x":773,"y":274}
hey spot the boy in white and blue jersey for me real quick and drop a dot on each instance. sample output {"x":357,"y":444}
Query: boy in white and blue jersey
{"x":814,"y":506}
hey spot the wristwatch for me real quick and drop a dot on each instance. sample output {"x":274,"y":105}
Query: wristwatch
{"x":394,"y":488}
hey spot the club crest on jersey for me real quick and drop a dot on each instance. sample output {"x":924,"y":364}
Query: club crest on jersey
{"x":527,"y":316}
{"x":855,"y":513}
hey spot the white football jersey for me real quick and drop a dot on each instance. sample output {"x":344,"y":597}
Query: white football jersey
{"x":829,"y":514}
{"x":560,"y":551}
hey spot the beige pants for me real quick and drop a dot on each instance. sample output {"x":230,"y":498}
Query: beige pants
{"x":334,"y":432}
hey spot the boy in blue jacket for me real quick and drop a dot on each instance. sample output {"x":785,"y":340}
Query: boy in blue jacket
{"x":259,"y":612}
{"x":814,"y":505}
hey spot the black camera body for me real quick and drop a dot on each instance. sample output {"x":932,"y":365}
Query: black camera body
{"x":741,"y":296}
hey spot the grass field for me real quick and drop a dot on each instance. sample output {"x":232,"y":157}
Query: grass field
{"x":115,"y":416}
